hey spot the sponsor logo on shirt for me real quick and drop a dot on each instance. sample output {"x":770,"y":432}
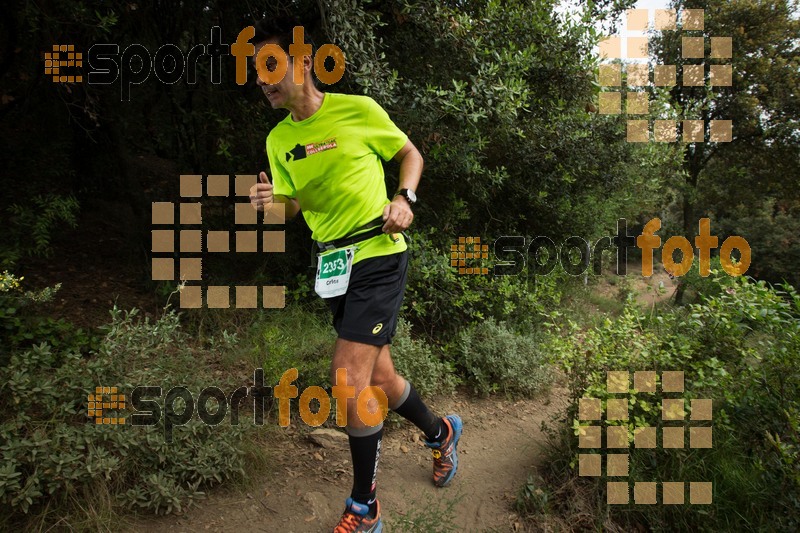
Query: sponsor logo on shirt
{"x":301,"y":152}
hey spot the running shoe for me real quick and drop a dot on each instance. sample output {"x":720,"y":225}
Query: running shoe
{"x":355,"y":519}
{"x":445,"y":454}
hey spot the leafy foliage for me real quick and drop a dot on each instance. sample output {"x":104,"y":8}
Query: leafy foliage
{"x":415,"y":360}
{"x":443,"y":302}
{"x":21,"y":326}
{"x":499,"y":96}
{"x":32,"y":226}
{"x":733,"y":180}
{"x":293,"y":337}
{"x":50,"y":453}
{"x":739,"y":346}
{"x":495,"y":359}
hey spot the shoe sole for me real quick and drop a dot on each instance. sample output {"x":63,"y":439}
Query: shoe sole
{"x":458,"y":426}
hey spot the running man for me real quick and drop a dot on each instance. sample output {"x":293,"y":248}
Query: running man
{"x":325,"y":160}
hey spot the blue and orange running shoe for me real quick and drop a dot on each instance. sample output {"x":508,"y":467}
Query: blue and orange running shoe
{"x":355,"y":519}
{"x":445,"y":454}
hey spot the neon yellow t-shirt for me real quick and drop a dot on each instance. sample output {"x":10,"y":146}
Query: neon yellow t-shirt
{"x":331,"y":163}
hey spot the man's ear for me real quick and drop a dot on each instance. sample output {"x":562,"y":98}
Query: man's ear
{"x":308,"y":66}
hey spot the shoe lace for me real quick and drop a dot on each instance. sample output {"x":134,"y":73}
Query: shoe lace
{"x":348,"y":523}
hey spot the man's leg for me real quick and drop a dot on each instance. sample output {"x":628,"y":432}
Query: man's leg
{"x":442,"y":434}
{"x":403,"y":398}
{"x":358,"y":360}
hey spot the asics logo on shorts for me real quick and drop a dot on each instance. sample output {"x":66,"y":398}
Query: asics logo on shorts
{"x":378,"y":327}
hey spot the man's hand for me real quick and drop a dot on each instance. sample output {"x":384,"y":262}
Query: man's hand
{"x":397,"y":215}
{"x":261,"y":197}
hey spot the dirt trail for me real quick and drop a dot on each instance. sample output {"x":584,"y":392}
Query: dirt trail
{"x":656,"y":289}
{"x":306,"y":488}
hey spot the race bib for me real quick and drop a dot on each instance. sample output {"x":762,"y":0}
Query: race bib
{"x":333,"y":272}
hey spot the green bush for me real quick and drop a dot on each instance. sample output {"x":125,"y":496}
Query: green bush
{"x":415,"y":361}
{"x":771,"y":227}
{"x":298,"y":337}
{"x":496,"y":359}
{"x":31,"y":226}
{"x":739,"y":347}
{"x":708,"y":286}
{"x":57,"y":463}
{"x":442,"y":302}
{"x":293,"y":337}
{"x":21,"y":326}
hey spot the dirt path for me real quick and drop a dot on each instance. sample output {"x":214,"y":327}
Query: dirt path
{"x":307,"y":486}
{"x":656,"y":289}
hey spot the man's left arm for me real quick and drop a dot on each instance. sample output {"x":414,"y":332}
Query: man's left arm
{"x":398,"y":215}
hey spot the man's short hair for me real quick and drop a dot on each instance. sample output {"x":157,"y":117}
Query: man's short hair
{"x":280,"y":29}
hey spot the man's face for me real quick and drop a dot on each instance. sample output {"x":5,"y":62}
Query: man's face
{"x":283,"y":93}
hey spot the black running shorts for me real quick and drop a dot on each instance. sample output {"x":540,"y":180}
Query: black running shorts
{"x":367,"y":312}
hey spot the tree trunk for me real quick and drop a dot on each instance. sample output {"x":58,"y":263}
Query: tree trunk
{"x":693,"y":165}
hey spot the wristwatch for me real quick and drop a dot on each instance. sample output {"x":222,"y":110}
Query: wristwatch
{"x":408,"y":194}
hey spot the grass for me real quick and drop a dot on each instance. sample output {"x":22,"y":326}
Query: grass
{"x":604,"y":304}
{"x":90,"y":509}
{"x":751,"y":492}
{"x":587,"y":306}
{"x":434,"y":515}
{"x":294,"y":337}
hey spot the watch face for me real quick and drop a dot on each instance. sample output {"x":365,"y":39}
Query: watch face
{"x":411,"y":195}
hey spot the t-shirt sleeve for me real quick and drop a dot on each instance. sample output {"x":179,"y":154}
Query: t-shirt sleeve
{"x":382,"y":134}
{"x":281,"y":180}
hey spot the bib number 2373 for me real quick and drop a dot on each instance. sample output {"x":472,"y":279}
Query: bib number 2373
{"x":333,"y":272}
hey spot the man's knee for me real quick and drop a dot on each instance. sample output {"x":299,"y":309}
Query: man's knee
{"x":352,"y":367}
{"x":359,"y":405}
{"x":355,"y":360}
{"x":385,"y":378}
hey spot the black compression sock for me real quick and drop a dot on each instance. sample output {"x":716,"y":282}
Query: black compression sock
{"x":365,"y":451}
{"x":413,"y":409}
